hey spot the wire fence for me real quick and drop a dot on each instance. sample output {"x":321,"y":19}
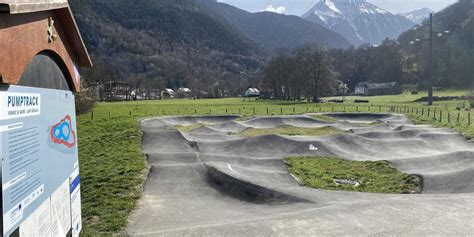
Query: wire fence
{"x":444,"y":115}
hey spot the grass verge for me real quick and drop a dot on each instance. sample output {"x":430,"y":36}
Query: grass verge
{"x":112,"y":172}
{"x":291,"y":131}
{"x":372,"y":176}
{"x":188,"y":128}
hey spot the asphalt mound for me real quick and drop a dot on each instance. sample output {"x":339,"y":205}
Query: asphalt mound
{"x":210,"y":181}
{"x":245,"y":190}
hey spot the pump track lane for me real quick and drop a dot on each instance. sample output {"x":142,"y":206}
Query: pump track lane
{"x":208,"y":182}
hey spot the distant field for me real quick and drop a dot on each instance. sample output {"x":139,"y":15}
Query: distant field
{"x":113,"y":168}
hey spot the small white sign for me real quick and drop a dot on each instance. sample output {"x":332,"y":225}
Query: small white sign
{"x":19,"y":105}
{"x":312,"y":148}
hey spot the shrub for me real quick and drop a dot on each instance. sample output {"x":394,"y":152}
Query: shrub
{"x":84,"y":102}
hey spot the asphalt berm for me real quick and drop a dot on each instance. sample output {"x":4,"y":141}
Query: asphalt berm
{"x":209,"y":182}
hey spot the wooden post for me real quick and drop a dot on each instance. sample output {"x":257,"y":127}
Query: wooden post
{"x":254,"y":110}
{"x":449,"y":117}
{"x":92,"y":115}
{"x":429,"y":110}
{"x":422,"y":111}
{"x":294,"y":109}
{"x":130,"y":112}
{"x":440,"y":116}
{"x":459,"y":117}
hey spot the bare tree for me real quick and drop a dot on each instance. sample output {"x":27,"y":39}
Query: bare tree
{"x":318,"y":68}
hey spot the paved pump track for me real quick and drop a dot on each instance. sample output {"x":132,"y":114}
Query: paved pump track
{"x":207,"y":182}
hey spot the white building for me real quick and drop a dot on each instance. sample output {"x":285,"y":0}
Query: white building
{"x":252,"y":92}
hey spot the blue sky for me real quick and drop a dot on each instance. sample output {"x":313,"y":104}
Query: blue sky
{"x":299,"y":7}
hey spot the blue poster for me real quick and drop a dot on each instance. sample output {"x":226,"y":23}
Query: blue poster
{"x":38,"y":138}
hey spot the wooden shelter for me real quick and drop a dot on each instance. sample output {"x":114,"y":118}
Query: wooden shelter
{"x":40,"y":45}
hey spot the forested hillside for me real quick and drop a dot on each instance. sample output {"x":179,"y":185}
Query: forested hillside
{"x":162,"y":43}
{"x":453,"y":51}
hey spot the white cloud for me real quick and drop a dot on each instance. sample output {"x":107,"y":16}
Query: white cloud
{"x":279,"y":10}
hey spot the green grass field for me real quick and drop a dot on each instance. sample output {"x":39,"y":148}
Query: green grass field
{"x":371,"y":176}
{"x":113,"y":168}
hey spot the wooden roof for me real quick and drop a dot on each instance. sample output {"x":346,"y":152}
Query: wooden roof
{"x":65,"y":16}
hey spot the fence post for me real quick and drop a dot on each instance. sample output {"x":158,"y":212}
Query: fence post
{"x":130,"y":112}
{"x":92,"y":115}
{"x":469,"y":119}
{"x":440,"y":116}
{"x":429,"y":110}
{"x":459,"y":115}
{"x":294,"y":109}
{"x":254,"y":110}
{"x":449,"y":117}
{"x":422,"y":111}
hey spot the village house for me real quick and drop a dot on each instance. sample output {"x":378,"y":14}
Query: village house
{"x":373,"y":89}
{"x":252,"y":92}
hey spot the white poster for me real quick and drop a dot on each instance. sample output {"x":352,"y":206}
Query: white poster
{"x":39,"y":222}
{"x":61,"y":210}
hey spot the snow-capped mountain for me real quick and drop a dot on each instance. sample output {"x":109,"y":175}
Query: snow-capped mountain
{"x":358,"y":21}
{"x":417,"y":16}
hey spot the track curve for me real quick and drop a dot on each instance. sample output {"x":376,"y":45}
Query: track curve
{"x":210,"y":182}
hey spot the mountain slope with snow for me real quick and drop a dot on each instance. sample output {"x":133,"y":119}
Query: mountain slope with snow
{"x":417,"y":16}
{"x":358,"y":21}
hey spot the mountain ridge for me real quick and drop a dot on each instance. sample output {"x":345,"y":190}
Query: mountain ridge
{"x":358,"y":21}
{"x":274,"y":31}
{"x":417,"y":16}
